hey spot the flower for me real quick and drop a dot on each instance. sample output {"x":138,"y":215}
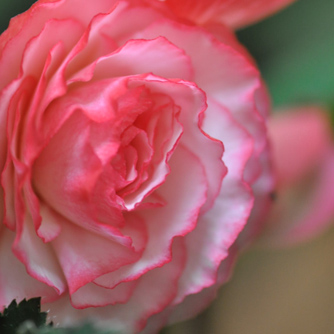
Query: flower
{"x":303,"y":157}
{"x":130,"y":146}
{"x":233,"y":13}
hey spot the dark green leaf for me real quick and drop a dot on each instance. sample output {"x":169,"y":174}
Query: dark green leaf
{"x":27,"y":318}
{"x":15,"y":314}
{"x":83,"y":329}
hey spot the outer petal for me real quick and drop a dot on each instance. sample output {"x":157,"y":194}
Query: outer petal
{"x":218,"y":228}
{"x":15,"y":283}
{"x":148,"y":299}
{"x":85,"y":256}
{"x":195,"y":303}
{"x":234,"y":13}
{"x":38,"y":257}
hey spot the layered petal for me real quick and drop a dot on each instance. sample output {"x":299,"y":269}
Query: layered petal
{"x":16,"y":283}
{"x":129,"y":318}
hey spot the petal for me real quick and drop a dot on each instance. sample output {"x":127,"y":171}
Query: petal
{"x":129,"y":317}
{"x":113,"y":31}
{"x":177,"y":217}
{"x":61,"y":177}
{"x":93,"y":295}
{"x":220,"y":124}
{"x":263,"y":189}
{"x":30,"y":23}
{"x":235,"y":13}
{"x":65,"y":181}
{"x":234,"y":91}
{"x":192,"y":104}
{"x":304,"y":130}
{"x":158,"y":56}
{"x":38,"y":257}
{"x":229,"y":79}
{"x":15,"y":282}
{"x":50,"y":226}
{"x":219,"y":227}
{"x":37,"y":50}
{"x":14,"y":170}
{"x":214,"y":234}
{"x":85,"y":255}
{"x":195,"y":303}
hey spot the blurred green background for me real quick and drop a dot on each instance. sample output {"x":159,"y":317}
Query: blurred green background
{"x":295,"y":52}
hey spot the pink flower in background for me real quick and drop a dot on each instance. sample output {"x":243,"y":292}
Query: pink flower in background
{"x":130,"y":145}
{"x":303,"y":154}
{"x":233,"y":13}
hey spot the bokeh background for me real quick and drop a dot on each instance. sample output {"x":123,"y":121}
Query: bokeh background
{"x":275,"y":291}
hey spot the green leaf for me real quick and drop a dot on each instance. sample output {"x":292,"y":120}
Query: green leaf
{"x":16,"y":314}
{"x":27,"y":318}
{"x":86,"y":328}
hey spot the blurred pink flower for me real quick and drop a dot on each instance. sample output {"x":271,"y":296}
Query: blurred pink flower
{"x":303,"y":157}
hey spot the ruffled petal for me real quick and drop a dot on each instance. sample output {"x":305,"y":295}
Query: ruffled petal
{"x":195,"y":303}
{"x":235,"y":13}
{"x":176,"y":218}
{"x":129,"y":318}
{"x":25,"y":26}
{"x":229,"y":79}
{"x":90,"y":255}
{"x":219,"y":227}
{"x":191,"y":102}
{"x":158,"y":56}
{"x":15,"y":282}
{"x":93,"y":295}
{"x":38,"y":258}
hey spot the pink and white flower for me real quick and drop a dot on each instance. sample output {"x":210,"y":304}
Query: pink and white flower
{"x":130,"y":147}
